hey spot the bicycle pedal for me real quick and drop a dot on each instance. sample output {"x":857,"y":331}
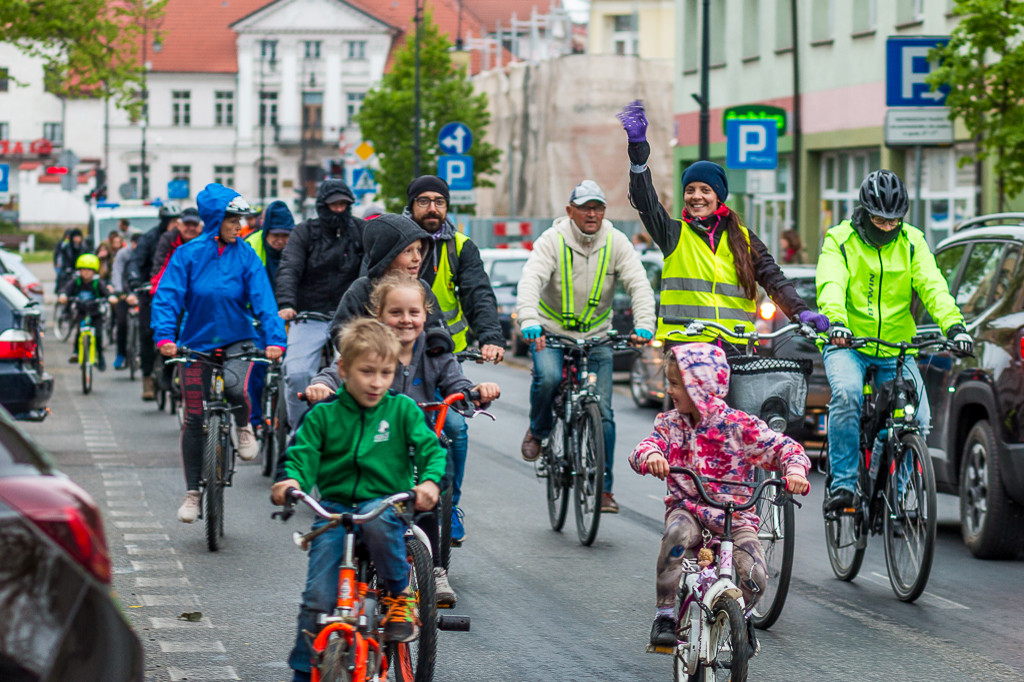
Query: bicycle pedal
{"x":667,"y":650}
{"x":445,"y":606}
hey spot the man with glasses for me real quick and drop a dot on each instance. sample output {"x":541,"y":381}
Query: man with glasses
{"x":453,"y":269}
{"x":567,"y":288}
{"x":870,"y":267}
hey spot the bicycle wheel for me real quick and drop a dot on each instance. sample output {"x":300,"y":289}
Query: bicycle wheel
{"x":161,"y":397}
{"x":268,"y":440}
{"x":777,"y":534}
{"x":558,"y":479}
{"x":444,"y":508}
{"x":728,"y":644}
{"x":414,"y":661}
{"x":62,"y":322}
{"x":84,"y":361}
{"x":845,"y":535}
{"x":133,"y":347}
{"x":334,"y":662}
{"x":909,"y":523}
{"x":214,"y":457}
{"x":588,"y":472}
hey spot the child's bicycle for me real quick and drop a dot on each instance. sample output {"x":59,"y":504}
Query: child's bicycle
{"x":774,"y":389}
{"x":895,"y":481}
{"x":350,"y":647}
{"x":87,"y":330}
{"x":712,"y":638}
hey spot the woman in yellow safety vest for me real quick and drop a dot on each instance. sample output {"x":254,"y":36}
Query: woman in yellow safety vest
{"x":713,"y":263}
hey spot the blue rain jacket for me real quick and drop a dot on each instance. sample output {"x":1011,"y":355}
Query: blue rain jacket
{"x":214,"y":285}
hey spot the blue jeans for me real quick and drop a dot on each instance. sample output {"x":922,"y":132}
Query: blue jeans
{"x":547,"y":374}
{"x":457,"y":431}
{"x":845,"y":369}
{"x":301,"y":363}
{"x":384,"y":537}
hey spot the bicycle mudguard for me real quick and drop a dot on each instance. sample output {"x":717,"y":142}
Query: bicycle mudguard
{"x":421,"y":536}
{"x":722,"y":589}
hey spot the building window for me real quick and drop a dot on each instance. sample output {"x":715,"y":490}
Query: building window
{"x":224,"y":175}
{"x":268,"y":50}
{"x":181,"y":107}
{"x":770,"y":211}
{"x":625,"y":37}
{"x":313,"y":116}
{"x":864,"y":16}
{"x":268,"y":181}
{"x":4,"y":78}
{"x":947,"y":189}
{"x":5,"y":130}
{"x":841,"y":175}
{"x":821,"y":20}
{"x":357,"y":49}
{"x":135,"y":180}
{"x":355,"y":103}
{"x":751,"y":28}
{"x":268,"y":109}
{"x":311,"y":49}
{"x":224,"y":108}
{"x":691,"y":48}
{"x":909,"y":11}
{"x":718,"y":34}
{"x":783,"y":26}
{"x":54,"y":132}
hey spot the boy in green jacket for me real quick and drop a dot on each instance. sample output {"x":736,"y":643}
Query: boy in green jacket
{"x":356,"y":450}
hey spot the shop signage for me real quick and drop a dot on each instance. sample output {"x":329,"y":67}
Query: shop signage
{"x":755,"y":112}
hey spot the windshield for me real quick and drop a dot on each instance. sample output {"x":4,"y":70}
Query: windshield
{"x":139,"y":223}
{"x":507,"y":271}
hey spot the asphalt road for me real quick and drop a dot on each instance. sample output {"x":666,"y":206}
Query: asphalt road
{"x":542,"y":606}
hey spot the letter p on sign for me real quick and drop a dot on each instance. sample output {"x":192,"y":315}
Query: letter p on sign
{"x":752,"y":144}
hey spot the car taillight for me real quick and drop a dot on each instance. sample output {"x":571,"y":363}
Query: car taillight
{"x":13,"y":279}
{"x":17,"y":344}
{"x":767,"y":310}
{"x":66,"y":514}
{"x":1022,"y":348}
{"x":36,"y":288}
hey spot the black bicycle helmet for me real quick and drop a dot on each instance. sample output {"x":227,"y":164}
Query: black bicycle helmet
{"x":883,"y":194}
{"x":168,"y":211}
{"x":238,"y":206}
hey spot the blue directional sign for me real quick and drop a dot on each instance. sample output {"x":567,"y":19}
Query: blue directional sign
{"x":906,"y":66}
{"x":177,"y":189}
{"x":456,"y":170}
{"x":752,"y":144}
{"x":5,"y":175}
{"x":455,"y":138}
{"x":363,"y":182}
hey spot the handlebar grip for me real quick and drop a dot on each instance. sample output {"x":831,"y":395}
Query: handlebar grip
{"x":473,"y":396}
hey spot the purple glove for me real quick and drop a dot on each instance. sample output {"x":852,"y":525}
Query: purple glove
{"x":816,"y":320}
{"x":634,"y":122}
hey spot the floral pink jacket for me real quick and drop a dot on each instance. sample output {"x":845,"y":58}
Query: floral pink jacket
{"x":724,"y":444}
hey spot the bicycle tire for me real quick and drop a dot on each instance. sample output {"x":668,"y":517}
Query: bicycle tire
{"x":909,"y":523}
{"x":84,"y":357}
{"x":62,"y":322}
{"x":334,"y":661}
{"x":213,"y":493}
{"x":444,"y":508}
{"x":588,"y":472}
{"x":161,"y":397}
{"x":414,"y":661}
{"x":268,"y":441}
{"x":557,"y":482}
{"x":133,"y":347}
{"x":777,"y":534}
{"x":845,"y":534}
{"x":728,"y":633}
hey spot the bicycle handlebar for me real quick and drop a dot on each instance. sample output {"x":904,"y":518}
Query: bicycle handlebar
{"x":697,"y":327}
{"x":917,"y":343}
{"x":188,"y":355}
{"x":758,"y":488}
{"x":616,"y":341}
{"x":312,"y":315}
{"x":294,"y":495}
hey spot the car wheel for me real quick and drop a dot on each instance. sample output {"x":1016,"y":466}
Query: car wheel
{"x":991,"y":523}
{"x":638,"y":384}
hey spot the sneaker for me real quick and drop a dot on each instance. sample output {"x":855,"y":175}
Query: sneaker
{"x":73,"y":360}
{"x":148,"y":388}
{"x":442,"y":589}
{"x":663,"y":632}
{"x":840,"y":498}
{"x":608,"y":504}
{"x":119,"y":361}
{"x":402,"y":622}
{"x":101,"y":363}
{"x":458,"y":527}
{"x":188,"y":512}
{"x":530,"y":447}
{"x":248,"y":446}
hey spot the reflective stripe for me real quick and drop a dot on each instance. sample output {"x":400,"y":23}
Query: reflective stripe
{"x":702,"y":286}
{"x":444,"y":290}
{"x":553,"y":315}
{"x":457,"y":327}
{"x":671,"y":313}
{"x":568,"y":318}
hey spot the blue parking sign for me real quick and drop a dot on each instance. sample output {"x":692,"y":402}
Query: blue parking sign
{"x":456,"y":170}
{"x":752,"y":144}
{"x":5,"y":174}
{"x":906,"y":67}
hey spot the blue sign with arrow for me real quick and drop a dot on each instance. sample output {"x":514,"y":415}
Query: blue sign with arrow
{"x":906,"y":67}
{"x":455,"y":138}
{"x":5,"y":177}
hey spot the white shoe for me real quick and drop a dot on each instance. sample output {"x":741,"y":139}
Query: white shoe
{"x":188,"y":512}
{"x":443,"y":591}
{"x":248,"y":446}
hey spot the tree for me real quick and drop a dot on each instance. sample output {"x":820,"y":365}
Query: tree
{"x":88,"y":47}
{"x":983,"y":63}
{"x":386,"y":116}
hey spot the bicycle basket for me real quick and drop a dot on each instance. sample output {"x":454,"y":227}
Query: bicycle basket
{"x":756,"y":381}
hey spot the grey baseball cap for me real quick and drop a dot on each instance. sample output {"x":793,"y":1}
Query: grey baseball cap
{"x":588,"y":190}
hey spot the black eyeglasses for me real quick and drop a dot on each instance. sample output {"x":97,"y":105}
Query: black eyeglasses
{"x":423,"y":202}
{"x":879,"y":221}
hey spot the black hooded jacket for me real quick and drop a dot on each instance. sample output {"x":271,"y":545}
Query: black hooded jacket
{"x":140,"y":265}
{"x":322,"y":258}
{"x":386,"y":237}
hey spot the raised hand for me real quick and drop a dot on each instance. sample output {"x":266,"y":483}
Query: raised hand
{"x":634,"y":121}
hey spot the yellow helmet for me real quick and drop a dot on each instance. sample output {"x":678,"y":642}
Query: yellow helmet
{"x":87,"y":260}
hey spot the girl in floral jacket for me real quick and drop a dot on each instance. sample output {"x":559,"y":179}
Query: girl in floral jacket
{"x":706,"y":435}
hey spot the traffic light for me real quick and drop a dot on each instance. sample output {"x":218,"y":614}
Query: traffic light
{"x":336,"y":169}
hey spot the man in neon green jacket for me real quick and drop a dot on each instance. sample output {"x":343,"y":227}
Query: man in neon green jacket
{"x":869,"y":269}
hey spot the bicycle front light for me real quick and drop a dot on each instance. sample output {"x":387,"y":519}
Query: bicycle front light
{"x":592,"y":379}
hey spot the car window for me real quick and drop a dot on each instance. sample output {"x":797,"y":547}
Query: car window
{"x":653,"y":274}
{"x":948,"y":262}
{"x":980,"y":271}
{"x":16,"y":449}
{"x":507,"y":271}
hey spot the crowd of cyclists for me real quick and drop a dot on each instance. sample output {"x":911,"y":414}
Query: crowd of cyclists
{"x":394,"y":296}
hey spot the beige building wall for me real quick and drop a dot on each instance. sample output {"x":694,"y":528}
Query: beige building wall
{"x":652,"y":36}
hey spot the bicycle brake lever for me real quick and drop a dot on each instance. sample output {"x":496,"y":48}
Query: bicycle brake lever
{"x":485,"y":413}
{"x":283,"y":514}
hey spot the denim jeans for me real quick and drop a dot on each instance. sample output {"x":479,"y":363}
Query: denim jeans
{"x":301,"y":363}
{"x":384,"y":537}
{"x":845,"y":369}
{"x":547,"y":374}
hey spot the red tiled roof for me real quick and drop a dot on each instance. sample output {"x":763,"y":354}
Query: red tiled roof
{"x":196,"y":36}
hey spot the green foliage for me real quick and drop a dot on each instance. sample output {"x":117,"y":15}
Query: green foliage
{"x":984,"y":65}
{"x":88,"y":47}
{"x":387,"y":114}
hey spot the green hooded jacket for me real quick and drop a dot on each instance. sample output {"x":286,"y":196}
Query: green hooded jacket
{"x":869,"y":289}
{"x":353,"y":454}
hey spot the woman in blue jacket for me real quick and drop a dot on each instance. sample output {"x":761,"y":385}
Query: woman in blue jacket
{"x":219,"y":283}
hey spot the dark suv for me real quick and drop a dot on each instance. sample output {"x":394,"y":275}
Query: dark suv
{"x":977,"y":436}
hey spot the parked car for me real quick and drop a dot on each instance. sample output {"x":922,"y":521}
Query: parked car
{"x":20,"y":275}
{"x":977,"y":403}
{"x":25,"y":387}
{"x":504,"y":267}
{"x":61,"y":622}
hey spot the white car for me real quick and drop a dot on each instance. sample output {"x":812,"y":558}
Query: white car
{"x":504,"y":267}
{"x":13,"y":267}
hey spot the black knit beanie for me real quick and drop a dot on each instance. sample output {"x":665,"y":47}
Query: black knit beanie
{"x":427,"y":183}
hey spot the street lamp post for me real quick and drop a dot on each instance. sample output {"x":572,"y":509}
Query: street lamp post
{"x":705,"y":58}
{"x":263,"y":116}
{"x":416,"y":151}
{"x":145,"y":109}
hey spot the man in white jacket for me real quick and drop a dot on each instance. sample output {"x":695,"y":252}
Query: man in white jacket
{"x":598,"y":256}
